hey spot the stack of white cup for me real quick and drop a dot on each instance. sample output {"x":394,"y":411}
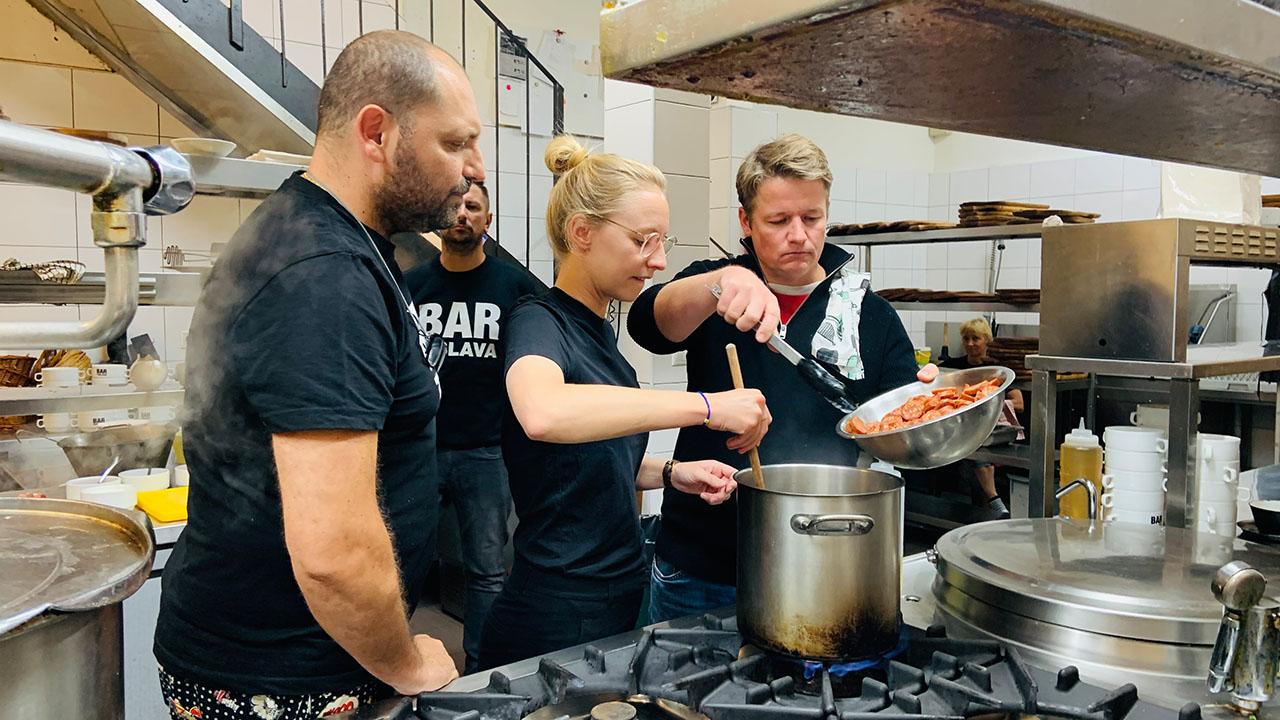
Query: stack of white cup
{"x":1133,"y":479}
{"x":1218,"y":476}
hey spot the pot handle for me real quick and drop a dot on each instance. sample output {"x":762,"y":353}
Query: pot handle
{"x":832,"y":524}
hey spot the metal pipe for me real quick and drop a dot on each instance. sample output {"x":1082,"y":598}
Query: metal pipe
{"x":118,"y":308}
{"x":117,"y":179}
{"x":41,"y":157}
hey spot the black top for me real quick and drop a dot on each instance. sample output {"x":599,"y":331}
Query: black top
{"x":467,"y":309}
{"x":576,"y":503}
{"x":700,"y":538}
{"x":298,"y":328}
{"x":962,"y":363}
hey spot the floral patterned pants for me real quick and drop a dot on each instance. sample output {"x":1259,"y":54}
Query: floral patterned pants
{"x":189,"y":700}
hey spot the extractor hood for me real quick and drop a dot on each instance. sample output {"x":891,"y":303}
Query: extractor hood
{"x":201,"y":62}
{"x":1194,"y":81}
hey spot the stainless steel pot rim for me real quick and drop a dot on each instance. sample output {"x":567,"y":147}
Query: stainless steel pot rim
{"x":1009,"y":377}
{"x":746,"y":474}
{"x":1138,"y":582}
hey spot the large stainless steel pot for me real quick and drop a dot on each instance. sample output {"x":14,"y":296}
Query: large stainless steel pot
{"x":819,"y":561}
{"x":1121,"y":602}
{"x":65,"y":567}
{"x":65,"y":666}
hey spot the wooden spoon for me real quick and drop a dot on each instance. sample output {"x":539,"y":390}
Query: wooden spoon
{"x":736,"y":371}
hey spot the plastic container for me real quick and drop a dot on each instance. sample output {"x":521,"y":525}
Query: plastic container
{"x":1080,"y":457}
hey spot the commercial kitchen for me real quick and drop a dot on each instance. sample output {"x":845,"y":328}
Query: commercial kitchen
{"x":1075,"y":201}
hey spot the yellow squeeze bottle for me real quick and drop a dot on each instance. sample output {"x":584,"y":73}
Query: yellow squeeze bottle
{"x":1080,"y":456}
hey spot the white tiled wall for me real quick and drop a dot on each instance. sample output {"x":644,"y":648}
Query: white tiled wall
{"x":48,"y":80}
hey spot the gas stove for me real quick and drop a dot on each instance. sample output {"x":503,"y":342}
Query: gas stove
{"x":704,"y":672}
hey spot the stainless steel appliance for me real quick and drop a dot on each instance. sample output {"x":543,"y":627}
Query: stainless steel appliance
{"x":1121,"y":602}
{"x":1246,"y":655}
{"x":1122,"y":290}
{"x":819,"y":552}
{"x":1115,"y":303}
{"x":67,"y":566}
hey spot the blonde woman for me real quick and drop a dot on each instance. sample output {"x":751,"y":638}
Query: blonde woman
{"x":976,"y":336}
{"x":577,"y":423}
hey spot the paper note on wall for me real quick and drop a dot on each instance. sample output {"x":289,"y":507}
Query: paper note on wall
{"x":1188,"y":191}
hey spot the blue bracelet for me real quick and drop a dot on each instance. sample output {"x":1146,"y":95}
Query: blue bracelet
{"x":707,"y":421}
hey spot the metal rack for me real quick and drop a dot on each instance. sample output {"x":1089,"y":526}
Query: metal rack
{"x":958,"y":234}
{"x":170,"y":289}
{"x":933,"y":237}
{"x":32,"y":401}
{"x":238,"y":178}
{"x":980,"y":307}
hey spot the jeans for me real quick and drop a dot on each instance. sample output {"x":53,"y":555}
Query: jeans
{"x":539,"y":612}
{"x":474,"y":481}
{"x":673,"y":593}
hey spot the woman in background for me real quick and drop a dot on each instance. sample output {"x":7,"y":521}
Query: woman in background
{"x":976,"y":336}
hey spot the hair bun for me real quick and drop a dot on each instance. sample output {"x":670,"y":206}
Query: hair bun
{"x":564,"y":153}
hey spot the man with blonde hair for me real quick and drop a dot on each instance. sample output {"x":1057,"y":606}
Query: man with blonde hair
{"x":790,"y":281}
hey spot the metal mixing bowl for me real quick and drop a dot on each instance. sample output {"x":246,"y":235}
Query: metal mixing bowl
{"x":938,"y":442}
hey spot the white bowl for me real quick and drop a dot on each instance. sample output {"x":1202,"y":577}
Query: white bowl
{"x":146,"y":479}
{"x":76,"y":486}
{"x":208,"y":147}
{"x":119,"y":496}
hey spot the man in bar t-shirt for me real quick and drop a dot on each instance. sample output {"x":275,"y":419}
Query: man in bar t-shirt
{"x":464,"y":295}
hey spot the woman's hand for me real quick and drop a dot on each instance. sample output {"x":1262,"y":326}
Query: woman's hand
{"x":710,"y":480}
{"x":743,"y":413}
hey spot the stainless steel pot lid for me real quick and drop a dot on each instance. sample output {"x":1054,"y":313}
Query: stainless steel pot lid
{"x":66,"y":555}
{"x":1134,"y":581}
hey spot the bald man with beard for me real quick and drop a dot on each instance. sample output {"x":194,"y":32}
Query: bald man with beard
{"x":309,"y":427}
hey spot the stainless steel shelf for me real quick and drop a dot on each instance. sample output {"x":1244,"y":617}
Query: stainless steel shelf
{"x":33,"y":401}
{"x":238,"y":178}
{"x":1202,"y":361}
{"x":159,"y":289}
{"x":1010,"y":455}
{"x":996,"y":232}
{"x":964,"y":306}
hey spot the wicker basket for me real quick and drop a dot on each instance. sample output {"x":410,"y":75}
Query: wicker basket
{"x":10,"y":423}
{"x":13,"y":378}
{"x":21,"y":365}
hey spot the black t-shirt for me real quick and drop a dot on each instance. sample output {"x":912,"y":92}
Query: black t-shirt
{"x":576,"y":503}
{"x":701,"y":539}
{"x":467,"y":308}
{"x":299,"y":327}
{"x":962,"y":363}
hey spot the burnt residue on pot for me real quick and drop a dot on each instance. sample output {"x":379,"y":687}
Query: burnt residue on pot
{"x":863,"y":633}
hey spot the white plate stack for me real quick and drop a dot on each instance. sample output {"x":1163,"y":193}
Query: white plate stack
{"x":1133,"y":479}
{"x":1218,"y":475}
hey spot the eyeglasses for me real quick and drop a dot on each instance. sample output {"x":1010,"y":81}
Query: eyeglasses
{"x":647,"y":242}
